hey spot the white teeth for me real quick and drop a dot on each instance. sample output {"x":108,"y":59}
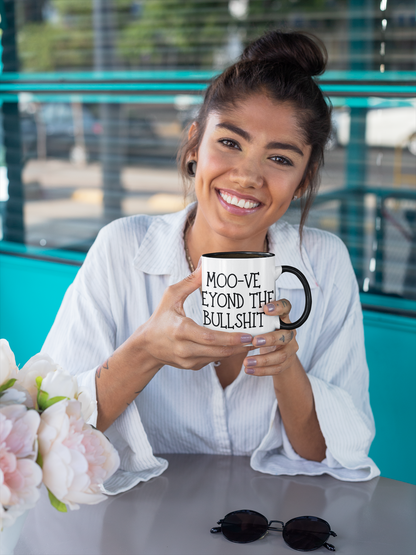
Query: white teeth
{"x":241,"y":203}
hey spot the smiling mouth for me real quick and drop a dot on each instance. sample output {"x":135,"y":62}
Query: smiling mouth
{"x":236,"y":201}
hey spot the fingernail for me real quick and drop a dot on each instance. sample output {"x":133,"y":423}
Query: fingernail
{"x":251,"y":362}
{"x":260,"y":341}
{"x":245,"y":338}
{"x":270,"y":307}
{"x":250,"y":370}
{"x":199,"y":262}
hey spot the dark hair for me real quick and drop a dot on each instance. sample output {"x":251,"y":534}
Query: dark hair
{"x":282,"y":66}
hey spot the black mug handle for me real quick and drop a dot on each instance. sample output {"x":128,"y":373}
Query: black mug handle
{"x":308,"y":299}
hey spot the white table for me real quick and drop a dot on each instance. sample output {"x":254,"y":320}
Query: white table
{"x":173,"y":514}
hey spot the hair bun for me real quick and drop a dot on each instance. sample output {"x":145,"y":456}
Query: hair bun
{"x":300,"y":49}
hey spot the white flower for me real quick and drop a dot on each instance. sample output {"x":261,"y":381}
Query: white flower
{"x":87,"y":405}
{"x":55,"y":382}
{"x":39,"y":365}
{"x":13,"y":396}
{"x":60,"y":384}
{"x":8,"y":368}
{"x":77,"y":459}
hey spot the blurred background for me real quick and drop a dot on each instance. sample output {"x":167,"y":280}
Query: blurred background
{"x":95,"y":96}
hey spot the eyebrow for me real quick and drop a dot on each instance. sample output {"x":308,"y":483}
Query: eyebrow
{"x":248,"y":138}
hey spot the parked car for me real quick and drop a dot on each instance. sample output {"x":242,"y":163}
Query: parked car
{"x":136,"y":140}
{"x":53,"y":123}
{"x":385,"y":127}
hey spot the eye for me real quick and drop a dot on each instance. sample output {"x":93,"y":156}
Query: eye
{"x":229,"y":143}
{"x":282,"y":160}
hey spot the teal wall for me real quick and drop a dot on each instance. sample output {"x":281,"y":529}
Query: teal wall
{"x":32,"y":290}
{"x":391,"y":355}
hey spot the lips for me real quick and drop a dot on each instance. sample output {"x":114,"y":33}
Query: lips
{"x":244,"y":202}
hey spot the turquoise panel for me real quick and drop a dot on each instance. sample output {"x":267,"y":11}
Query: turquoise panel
{"x":56,"y":255}
{"x":31,"y":292}
{"x":183,"y":75}
{"x":391,"y":355}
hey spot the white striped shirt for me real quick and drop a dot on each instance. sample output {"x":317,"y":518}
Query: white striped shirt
{"x":119,"y":286}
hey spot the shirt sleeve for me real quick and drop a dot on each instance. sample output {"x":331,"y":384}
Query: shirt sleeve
{"x":339,"y":378}
{"x":82,"y":337}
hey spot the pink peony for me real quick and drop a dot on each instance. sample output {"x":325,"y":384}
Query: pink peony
{"x":77,"y":459}
{"x":20,"y":476}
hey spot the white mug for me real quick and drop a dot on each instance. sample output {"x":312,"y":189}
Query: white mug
{"x":235,"y":286}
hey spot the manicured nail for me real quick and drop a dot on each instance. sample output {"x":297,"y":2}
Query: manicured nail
{"x":245,"y":338}
{"x":260,"y":341}
{"x":270,"y":307}
{"x":199,"y":262}
{"x":251,"y":362}
{"x":250,"y":370}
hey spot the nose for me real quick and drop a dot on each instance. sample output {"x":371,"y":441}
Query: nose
{"x":247,"y":175}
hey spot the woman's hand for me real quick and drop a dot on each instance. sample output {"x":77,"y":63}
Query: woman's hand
{"x":293,"y":390}
{"x":278,"y":348}
{"x":170,"y":337}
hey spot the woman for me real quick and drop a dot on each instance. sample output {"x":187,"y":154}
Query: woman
{"x":297,"y":403}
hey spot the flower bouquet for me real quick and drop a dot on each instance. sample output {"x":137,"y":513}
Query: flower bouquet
{"x":44,"y":437}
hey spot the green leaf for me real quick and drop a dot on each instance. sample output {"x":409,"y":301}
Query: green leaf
{"x":54,"y":400}
{"x":8,"y":384}
{"x":59,"y":506}
{"x":43,"y":398}
{"x":39,"y":460}
{"x":44,"y":402}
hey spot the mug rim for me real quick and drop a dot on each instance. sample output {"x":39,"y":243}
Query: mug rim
{"x":233,"y":255}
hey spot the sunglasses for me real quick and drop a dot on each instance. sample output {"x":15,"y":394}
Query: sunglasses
{"x":303,"y":533}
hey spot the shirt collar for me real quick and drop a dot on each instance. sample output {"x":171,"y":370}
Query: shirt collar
{"x":162,"y":250}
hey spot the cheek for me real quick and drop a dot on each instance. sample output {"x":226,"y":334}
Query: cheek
{"x":286,"y":181}
{"x":283,"y":186}
{"x":211,"y":165}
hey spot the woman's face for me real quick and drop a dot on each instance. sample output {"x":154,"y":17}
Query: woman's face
{"x":249,"y":165}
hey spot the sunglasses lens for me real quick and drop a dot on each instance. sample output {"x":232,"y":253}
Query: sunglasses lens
{"x":244,"y":526}
{"x":306,"y":533}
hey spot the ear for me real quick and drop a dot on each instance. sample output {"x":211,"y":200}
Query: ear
{"x":303,"y":187}
{"x":192,"y":130}
{"x":191,"y":133}
{"x":302,"y":190}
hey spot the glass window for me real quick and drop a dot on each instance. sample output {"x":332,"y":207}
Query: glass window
{"x":96,"y":96}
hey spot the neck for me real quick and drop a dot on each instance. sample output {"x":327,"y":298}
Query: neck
{"x":200,"y":240}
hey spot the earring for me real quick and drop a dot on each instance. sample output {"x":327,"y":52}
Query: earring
{"x":294,"y":197}
{"x":191,"y":166}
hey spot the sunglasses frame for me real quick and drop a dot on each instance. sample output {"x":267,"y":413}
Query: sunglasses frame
{"x":329,"y":546}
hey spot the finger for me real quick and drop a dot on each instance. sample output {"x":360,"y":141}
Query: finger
{"x":199,"y":335}
{"x":265,"y":350}
{"x":179,"y":291}
{"x":281,"y":308}
{"x":190,"y":355}
{"x":278,"y":338}
{"x":270,"y":363}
